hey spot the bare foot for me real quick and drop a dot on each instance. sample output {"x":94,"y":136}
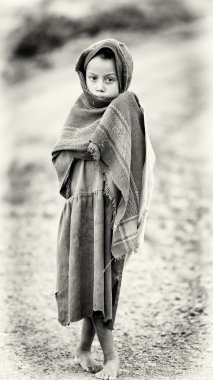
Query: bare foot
{"x":110,"y":370}
{"x":85,"y":360}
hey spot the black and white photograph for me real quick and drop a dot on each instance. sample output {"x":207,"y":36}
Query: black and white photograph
{"x":106,"y":194}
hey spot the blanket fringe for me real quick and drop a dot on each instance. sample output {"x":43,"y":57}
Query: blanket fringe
{"x":108,"y":193}
{"x":108,"y":264}
{"x":116,"y":259}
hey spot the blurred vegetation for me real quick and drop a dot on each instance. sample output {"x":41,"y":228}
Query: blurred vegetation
{"x":44,"y":32}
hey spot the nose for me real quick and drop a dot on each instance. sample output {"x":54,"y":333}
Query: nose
{"x":100,"y":86}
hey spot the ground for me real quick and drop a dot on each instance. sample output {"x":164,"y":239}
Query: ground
{"x":164,"y":325}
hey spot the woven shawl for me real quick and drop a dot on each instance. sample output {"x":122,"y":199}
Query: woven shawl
{"x":119,"y":134}
{"x":116,"y":126}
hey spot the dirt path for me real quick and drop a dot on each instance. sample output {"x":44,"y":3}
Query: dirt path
{"x":164,"y":323}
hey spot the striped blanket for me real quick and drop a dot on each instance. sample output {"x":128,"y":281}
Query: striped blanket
{"x":118,"y":131}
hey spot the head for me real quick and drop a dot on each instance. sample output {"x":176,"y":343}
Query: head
{"x":101,"y":74}
{"x":105,"y":70}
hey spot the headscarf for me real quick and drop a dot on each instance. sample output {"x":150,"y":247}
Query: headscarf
{"x":123,"y":63}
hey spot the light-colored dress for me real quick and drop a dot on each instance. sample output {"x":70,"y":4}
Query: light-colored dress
{"x":88,"y":282}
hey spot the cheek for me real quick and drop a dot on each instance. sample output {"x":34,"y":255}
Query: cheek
{"x":116,"y":88}
{"x":89,"y":84}
{"x":88,"y":81}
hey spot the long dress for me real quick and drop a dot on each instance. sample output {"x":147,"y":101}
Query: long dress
{"x":88,"y":278}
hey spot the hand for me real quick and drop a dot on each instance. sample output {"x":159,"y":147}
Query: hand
{"x":94,"y":150}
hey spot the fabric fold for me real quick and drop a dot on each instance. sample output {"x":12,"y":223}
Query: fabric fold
{"x":116,"y":126}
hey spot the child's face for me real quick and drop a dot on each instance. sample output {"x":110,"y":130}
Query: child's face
{"x":101,"y":77}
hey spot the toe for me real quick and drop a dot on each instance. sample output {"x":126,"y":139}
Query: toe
{"x":98,"y":375}
{"x":91,"y":369}
{"x":95,"y":368}
{"x":114,"y":376}
{"x":85,"y":368}
{"x":76,"y":360}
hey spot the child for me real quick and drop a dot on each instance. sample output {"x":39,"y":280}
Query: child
{"x":104,"y":162}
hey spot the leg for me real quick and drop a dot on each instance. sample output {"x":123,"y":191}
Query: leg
{"x":87,"y":335}
{"x":111,"y":360}
{"x":83,"y":355}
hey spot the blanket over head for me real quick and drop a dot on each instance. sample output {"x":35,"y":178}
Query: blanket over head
{"x":117,"y":127}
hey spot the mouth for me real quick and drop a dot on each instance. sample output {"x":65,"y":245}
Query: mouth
{"x":100,"y":94}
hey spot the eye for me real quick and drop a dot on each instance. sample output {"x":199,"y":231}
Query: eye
{"x":110,"y":79}
{"x":92,"y":78}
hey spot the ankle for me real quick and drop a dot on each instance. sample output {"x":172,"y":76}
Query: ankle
{"x":111,"y":355}
{"x":83,"y":347}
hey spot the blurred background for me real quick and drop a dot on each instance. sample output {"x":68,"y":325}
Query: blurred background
{"x":164,"y":326}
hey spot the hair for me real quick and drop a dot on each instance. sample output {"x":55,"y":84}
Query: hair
{"x":105,"y":53}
